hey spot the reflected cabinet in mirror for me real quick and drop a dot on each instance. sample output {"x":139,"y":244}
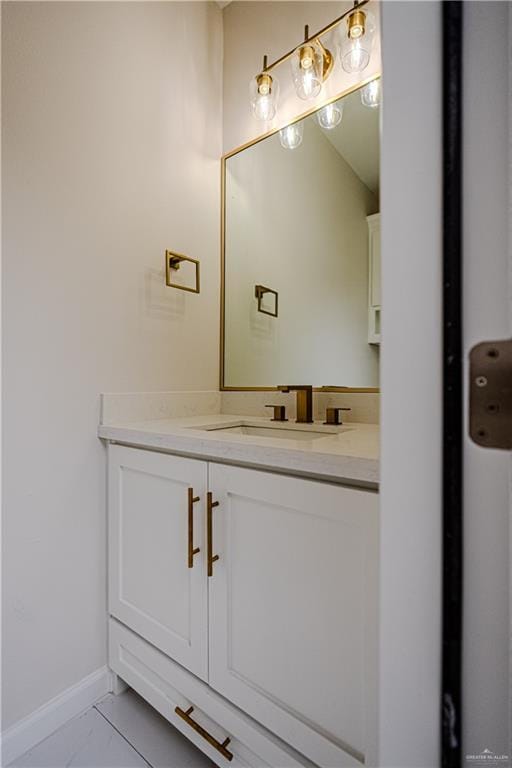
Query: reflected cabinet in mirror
{"x":301,"y":252}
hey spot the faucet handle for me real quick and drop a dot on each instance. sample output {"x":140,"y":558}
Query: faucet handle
{"x":279,"y":412}
{"x":332,"y":415}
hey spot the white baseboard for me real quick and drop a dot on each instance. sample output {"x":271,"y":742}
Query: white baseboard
{"x":29,"y":731}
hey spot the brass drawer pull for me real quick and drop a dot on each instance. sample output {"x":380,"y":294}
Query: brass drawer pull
{"x":210,"y":504}
{"x":220,"y":747}
{"x":191,"y":551}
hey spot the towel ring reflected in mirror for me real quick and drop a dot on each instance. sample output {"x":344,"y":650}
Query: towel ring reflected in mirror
{"x":259,"y":292}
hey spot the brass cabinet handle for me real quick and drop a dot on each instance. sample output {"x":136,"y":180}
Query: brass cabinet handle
{"x":191,"y":551}
{"x":220,"y":747}
{"x":210,"y":504}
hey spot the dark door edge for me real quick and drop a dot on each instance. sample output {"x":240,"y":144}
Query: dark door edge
{"x":451,"y":684}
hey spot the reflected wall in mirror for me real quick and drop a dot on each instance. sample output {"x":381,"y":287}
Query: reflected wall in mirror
{"x":301,"y":261}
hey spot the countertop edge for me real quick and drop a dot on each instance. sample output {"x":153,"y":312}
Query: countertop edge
{"x":334,"y":468}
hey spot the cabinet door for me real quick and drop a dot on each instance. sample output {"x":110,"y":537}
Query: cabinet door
{"x":293,"y":604}
{"x":152,"y":589}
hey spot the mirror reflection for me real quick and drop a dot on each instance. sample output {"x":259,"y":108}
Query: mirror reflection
{"x":302,"y":251}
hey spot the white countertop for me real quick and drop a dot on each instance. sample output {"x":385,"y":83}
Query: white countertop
{"x":348,"y":454}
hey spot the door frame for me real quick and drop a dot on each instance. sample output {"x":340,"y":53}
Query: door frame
{"x":411,"y":386}
{"x":424,"y":443}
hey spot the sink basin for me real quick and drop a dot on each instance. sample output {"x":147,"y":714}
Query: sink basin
{"x":277,"y":433}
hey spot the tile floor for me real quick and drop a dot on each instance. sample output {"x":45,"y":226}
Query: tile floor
{"x":118,"y":732}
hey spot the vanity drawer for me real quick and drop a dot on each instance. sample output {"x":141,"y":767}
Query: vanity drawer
{"x":166,"y":685}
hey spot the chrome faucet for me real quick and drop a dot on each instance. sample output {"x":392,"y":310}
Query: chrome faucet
{"x":304,"y":401}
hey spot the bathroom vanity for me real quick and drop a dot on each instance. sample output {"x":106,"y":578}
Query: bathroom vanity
{"x":243,"y":597}
{"x":243,"y":550}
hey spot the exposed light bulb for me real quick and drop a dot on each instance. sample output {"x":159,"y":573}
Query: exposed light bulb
{"x":307,"y":70}
{"x":264,"y":109}
{"x":310,"y":86}
{"x":264,"y":91}
{"x":291,"y":136}
{"x":307,"y":57}
{"x":330,"y":116}
{"x":356,"y":58}
{"x":370,"y":94}
{"x":357,"y":41}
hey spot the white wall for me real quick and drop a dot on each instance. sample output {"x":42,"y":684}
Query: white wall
{"x":296,"y":222}
{"x":252,"y":29}
{"x":111,"y":143}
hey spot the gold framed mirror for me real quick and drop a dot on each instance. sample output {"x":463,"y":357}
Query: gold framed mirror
{"x":300,"y":219}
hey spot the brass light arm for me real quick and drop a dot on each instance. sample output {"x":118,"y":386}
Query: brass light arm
{"x":327,"y":60}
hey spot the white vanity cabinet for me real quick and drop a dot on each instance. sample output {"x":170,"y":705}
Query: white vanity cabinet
{"x":284,"y":629}
{"x":374,"y":300}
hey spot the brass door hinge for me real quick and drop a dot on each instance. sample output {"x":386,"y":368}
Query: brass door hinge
{"x":490,"y":394}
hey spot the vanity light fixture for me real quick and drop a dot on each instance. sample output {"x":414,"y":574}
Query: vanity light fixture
{"x":312,"y":62}
{"x":311,"y":65}
{"x":330,"y":116}
{"x":357,"y":40}
{"x":264,"y":89}
{"x":291,"y":135}
{"x":370,"y":94}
